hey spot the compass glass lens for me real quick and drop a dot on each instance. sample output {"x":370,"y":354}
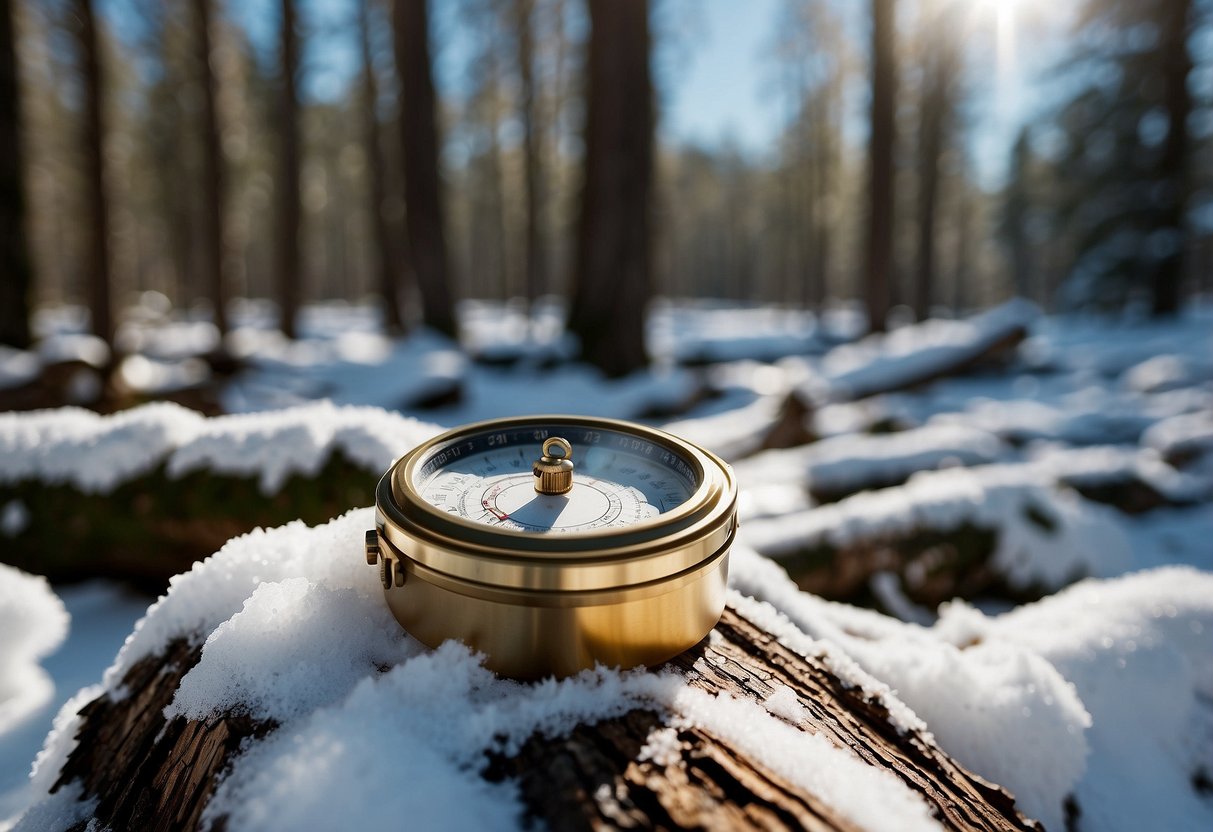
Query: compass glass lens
{"x":619,"y":479}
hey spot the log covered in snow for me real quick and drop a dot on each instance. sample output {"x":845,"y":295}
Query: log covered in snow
{"x":143,"y":770}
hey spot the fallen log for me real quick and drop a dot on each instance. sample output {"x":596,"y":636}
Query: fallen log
{"x":141,"y":495}
{"x":926,"y":352}
{"x":167,"y":523}
{"x":989,"y":531}
{"x":146,"y":771}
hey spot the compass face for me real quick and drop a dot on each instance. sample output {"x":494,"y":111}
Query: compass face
{"x":618,"y":480}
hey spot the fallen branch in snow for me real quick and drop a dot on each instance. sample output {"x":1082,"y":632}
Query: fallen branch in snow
{"x":149,"y":772}
{"x":925,"y":352}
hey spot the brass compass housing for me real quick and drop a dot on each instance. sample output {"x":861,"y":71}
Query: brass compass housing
{"x":552,"y":543}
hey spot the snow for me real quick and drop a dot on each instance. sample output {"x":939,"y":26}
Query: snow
{"x":168,"y":340}
{"x":707,"y":333}
{"x":1084,"y":539}
{"x":17,"y":367}
{"x":14,"y":518}
{"x":1112,"y":464}
{"x":1183,"y":435}
{"x":102,"y":615}
{"x":97,"y":453}
{"x":65,"y":347}
{"x":34,"y":623}
{"x":848,"y":463}
{"x":1168,"y":372}
{"x":733,"y":434}
{"x":1139,"y":652}
{"x":1076,"y":423}
{"x":294,"y":629}
{"x":918,"y":351}
{"x":153,"y":376}
{"x":1102,"y":690}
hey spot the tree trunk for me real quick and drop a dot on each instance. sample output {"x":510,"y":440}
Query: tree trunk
{"x":96,"y":206}
{"x":612,"y":273}
{"x":1175,"y":25}
{"x":878,"y":275}
{"x":212,"y":190}
{"x":532,"y":136}
{"x":936,"y":102}
{"x":1015,"y":218}
{"x":422,"y":185}
{"x":494,"y":184}
{"x":286,"y":188}
{"x":961,"y":266}
{"x":389,"y":280}
{"x":17,"y":286}
{"x":149,"y":773}
{"x":825,"y":169}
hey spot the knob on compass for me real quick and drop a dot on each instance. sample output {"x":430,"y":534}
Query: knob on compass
{"x":554,"y":474}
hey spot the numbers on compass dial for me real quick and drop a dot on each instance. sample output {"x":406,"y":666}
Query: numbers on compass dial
{"x":613,"y":487}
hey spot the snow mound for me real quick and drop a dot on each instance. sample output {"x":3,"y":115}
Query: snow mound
{"x":1098,"y":422}
{"x":17,"y":367}
{"x":845,"y":464}
{"x":34,"y":623}
{"x":703,"y":334}
{"x":1047,"y":535}
{"x":1168,"y":372}
{"x":1186,"y":435}
{"x":916,"y":353}
{"x":1108,"y":465}
{"x":98,"y":453}
{"x":1101,"y":691}
{"x":374,"y":728}
{"x":1139,"y":652}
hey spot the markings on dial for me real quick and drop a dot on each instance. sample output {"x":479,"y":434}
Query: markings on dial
{"x":610,"y":489}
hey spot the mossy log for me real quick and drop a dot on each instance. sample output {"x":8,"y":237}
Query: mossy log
{"x":150,"y":773}
{"x":155,"y":526}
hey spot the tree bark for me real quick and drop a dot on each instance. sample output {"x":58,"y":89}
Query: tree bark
{"x":214,"y":176}
{"x":389,"y":275}
{"x":422,"y":184}
{"x":878,"y":274}
{"x":286,"y":188}
{"x":1175,"y":27}
{"x":150,"y":773}
{"x":96,"y":204}
{"x":612,"y":273}
{"x":17,"y":286}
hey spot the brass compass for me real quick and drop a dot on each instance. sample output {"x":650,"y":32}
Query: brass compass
{"x":551,"y":543}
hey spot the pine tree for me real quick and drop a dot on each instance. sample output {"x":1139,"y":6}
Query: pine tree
{"x":422,"y":185}
{"x":1126,"y":173}
{"x":882,"y":136}
{"x":612,"y":273}
{"x":16,"y":286}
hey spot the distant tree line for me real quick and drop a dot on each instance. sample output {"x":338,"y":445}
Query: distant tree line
{"x":158,"y":147}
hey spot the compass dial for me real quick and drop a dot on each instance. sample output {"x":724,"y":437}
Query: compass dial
{"x":618,"y":481}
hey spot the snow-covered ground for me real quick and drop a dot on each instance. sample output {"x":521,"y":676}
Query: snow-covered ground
{"x":1101,"y":691}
